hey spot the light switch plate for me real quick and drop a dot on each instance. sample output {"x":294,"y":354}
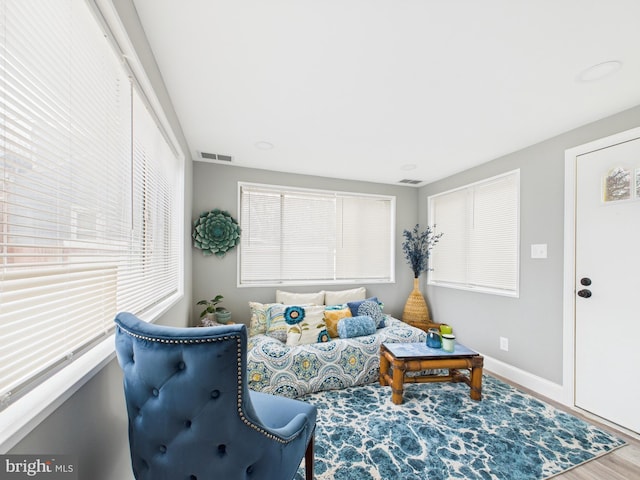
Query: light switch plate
{"x":539,"y":250}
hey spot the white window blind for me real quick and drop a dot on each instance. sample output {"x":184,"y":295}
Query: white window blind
{"x":302,"y":236}
{"x":480,"y":246}
{"x":88,"y":193}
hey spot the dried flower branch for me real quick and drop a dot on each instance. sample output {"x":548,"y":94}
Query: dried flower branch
{"x":417,"y":247}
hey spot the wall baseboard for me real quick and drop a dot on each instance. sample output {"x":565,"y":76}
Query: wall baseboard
{"x":539,"y":385}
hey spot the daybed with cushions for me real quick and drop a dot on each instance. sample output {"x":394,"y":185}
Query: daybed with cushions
{"x":335,"y":345}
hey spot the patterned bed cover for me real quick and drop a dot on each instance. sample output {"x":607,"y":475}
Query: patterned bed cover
{"x":276,"y":368}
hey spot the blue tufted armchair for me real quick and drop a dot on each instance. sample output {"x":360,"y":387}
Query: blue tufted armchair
{"x":192,"y":415}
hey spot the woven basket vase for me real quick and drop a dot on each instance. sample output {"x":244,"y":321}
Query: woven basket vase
{"x":416,"y":311}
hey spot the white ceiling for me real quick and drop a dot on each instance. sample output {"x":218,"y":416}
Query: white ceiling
{"x":384,"y":90}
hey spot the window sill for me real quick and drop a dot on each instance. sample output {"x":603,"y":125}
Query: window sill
{"x":22,"y":416}
{"x":475,"y":288}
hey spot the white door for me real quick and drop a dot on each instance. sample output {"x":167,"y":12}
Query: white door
{"x":607,"y":329}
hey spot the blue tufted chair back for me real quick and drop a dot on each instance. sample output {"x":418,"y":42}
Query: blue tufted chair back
{"x":191,"y":414}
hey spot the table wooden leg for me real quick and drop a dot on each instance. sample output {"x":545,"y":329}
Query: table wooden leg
{"x":476,"y":382}
{"x":384,"y":366}
{"x":397,"y":382}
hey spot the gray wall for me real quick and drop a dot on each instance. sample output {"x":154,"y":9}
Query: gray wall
{"x":533,"y":322}
{"x":216,"y":186}
{"x":92,"y":423}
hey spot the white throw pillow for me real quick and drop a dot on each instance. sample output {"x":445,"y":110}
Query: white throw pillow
{"x":305,"y":325}
{"x":290,"y":298}
{"x":345,"y":296}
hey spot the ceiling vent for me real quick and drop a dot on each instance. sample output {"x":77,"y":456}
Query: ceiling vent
{"x":216,"y":156}
{"x":408,"y":181}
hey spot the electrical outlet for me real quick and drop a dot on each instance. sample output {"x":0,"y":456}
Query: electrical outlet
{"x":504,"y":344}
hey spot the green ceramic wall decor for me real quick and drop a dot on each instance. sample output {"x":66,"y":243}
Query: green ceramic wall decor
{"x":215,"y":233}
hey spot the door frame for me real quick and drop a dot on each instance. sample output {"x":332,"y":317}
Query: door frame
{"x":569,"y":283}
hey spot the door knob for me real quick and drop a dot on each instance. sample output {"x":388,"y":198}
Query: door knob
{"x":584,"y":293}
{"x":586,"y":281}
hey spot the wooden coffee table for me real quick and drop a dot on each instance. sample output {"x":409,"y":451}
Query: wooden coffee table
{"x":396,"y":359}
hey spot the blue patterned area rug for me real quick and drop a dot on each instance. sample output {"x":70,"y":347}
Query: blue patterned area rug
{"x":439,"y":433}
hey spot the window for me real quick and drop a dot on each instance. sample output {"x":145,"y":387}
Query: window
{"x":300,"y":236}
{"x":480,"y":247}
{"x":89,"y":194}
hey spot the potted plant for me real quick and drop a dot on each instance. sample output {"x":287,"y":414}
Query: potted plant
{"x":212,"y":312}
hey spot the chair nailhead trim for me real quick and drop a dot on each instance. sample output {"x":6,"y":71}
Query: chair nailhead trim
{"x":177,"y":340}
{"x":239,"y":365}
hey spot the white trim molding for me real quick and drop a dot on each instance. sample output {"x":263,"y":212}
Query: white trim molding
{"x":528,"y":380}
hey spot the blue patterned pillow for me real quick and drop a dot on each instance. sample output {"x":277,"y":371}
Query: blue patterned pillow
{"x":350,"y":327}
{"x":369,"y":307}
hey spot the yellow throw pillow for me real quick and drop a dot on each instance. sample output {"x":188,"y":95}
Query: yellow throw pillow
{"x":332,"y":317}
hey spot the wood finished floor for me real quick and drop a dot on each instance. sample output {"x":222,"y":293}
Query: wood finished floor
{"x":621,"y":464}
